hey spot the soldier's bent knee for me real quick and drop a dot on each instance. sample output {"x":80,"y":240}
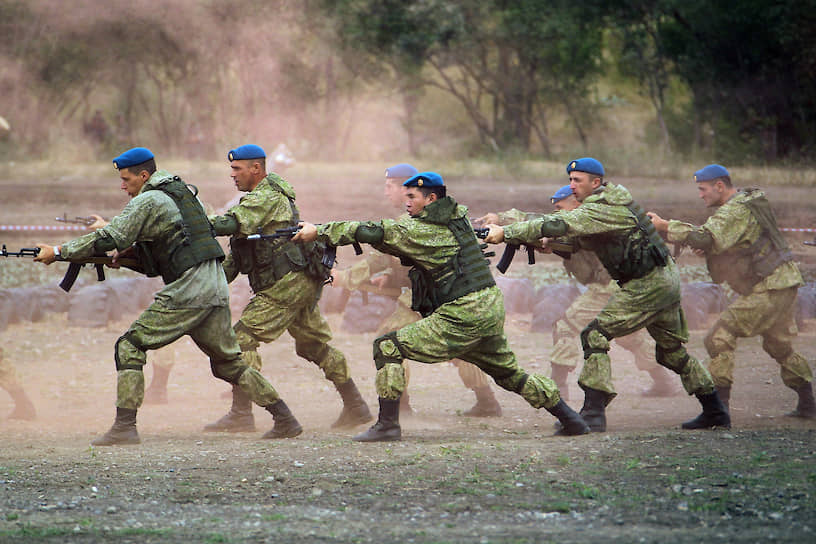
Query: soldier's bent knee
{"x":718,"y":340}
{"x":228,"y":371}
{"x":780,"y":351}
{"x":675,"y":357}
{"x":123,"y":344}
{"x":387,"y":350}
{"x":594,"y":339}
{"x":312,"y":351}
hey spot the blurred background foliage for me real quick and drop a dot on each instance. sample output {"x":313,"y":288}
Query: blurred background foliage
{"x":631,"y":81}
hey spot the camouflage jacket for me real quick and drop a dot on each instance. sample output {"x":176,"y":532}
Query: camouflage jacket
{"x":148,"y":216}
{"x":733,"y":227}
{"x":429,"y":245}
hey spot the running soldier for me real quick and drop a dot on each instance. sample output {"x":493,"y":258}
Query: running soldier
{"x":453,"y":289}
{"x":745,"y":249}
{"x":286,"y":279}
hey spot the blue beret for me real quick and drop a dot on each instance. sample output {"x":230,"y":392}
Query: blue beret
{"x":132,"y":157}
{"x":712,"y":171}
{"x":561,"y":194}
{"x":403,"y":170}
{"x":425,"y":179}
{"x":586,"y":164}
{"x":248,"y":151}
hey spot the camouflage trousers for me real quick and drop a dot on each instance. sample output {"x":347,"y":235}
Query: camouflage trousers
{"x":769,"y":314}
{"x":403,"y":315}
{"x":290,"y":305}
{"x":9,"y":379}
{"x":566,"y":350}
{"x":651,"y":302}
{"x":209,"y":328}
{"x":470,"y":328}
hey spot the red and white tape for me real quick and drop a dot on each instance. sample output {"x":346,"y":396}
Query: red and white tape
{"x":796,"y":230}
{"x":42,"y":227}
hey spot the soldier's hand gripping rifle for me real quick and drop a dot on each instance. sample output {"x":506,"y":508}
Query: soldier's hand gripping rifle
{"x":75,"y":265}
{"x":329,"y":256}
{"x":560,"y":248}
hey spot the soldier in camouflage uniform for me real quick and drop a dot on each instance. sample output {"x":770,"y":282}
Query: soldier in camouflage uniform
{"x":167,"y":229}
{"x":10,"y":381}
{"x":286,"y":279}
{"x":744,"y":248}
{"x":585,"y":267}
{"x":385,"y":272}
{"x":612,"y":225}
{"x":453,"y":289}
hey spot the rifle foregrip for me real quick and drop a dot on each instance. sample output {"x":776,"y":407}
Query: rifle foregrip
{"x":70,"y":276}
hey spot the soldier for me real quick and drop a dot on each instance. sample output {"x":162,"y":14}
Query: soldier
{"x":163,"y":360}
{"x":744,"y":248}
{"x":385,"y":272}
{"x":286,"y":280}
{"x":165,"y":226}
{"x":585,"y":267}
{"x":462,"y":309}
{"x":612,"y":225}
{"x":10,"y":381}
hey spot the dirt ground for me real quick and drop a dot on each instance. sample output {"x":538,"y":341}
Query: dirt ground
{"x":451,"y":478}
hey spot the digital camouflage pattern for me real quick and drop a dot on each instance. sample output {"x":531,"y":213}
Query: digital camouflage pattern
{"x":470,"y":327}
{"x":767,"y":311}
{"x":290,"y":304}
{"x":196,"y":304}
{"x":652,"y":301}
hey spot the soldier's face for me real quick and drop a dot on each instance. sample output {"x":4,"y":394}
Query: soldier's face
{"x":132,"y":183}
{"x":415,"y":201}
{"x":394,"y":192}
{"x":583,"y":184}
{"x":245,"y":174}
{"x":567,"y":204}
{"x":711,"y":193}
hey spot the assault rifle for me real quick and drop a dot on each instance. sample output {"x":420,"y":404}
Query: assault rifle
{"x":78,"y":220}
{"x":510,"y":250}
{"x":98,"y":261}
{"x":329,"y":256}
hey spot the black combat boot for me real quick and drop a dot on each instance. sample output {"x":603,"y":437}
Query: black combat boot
{"x":559,"y":376}
{"x":387,"y":427}
{"x":806,"y":407}
{"x":123,"y":430}
{"x":239,"y":419}
{"x":286,"y":426}
{"x":355,"y":410}
{"x":23,"y":407}
{"x":156,"y":393}
{"x":594,"y":409}
{"x":715,"y":414}
{"x":725,"y":396}
{"x":662,"y":384}
{"x":486,"y":404}
{"x":405,"y":404}
{"x":571,"y":423}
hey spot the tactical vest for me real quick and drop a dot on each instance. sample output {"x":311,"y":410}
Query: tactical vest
{"x":191,"y":242}
{"x":466,"y":272}
{"x":267,"y":261}
{"x":631,"y":254}
{"x":743,"y":268}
